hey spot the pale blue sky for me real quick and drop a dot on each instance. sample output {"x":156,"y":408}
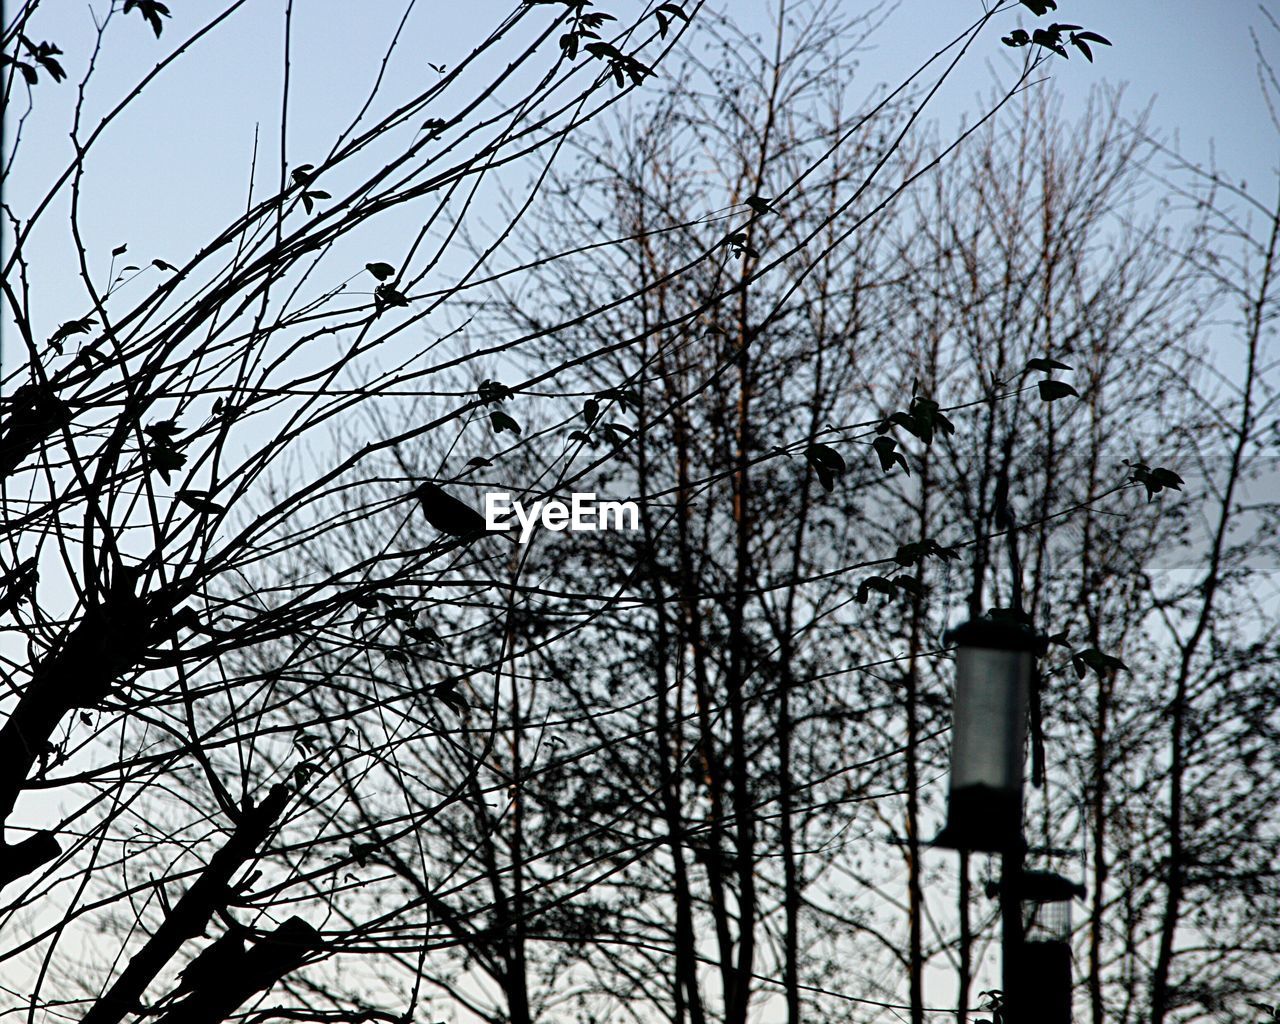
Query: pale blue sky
{"x":175,"y":166}
{"x":1195,"y":58}
{"x":174,"y":169}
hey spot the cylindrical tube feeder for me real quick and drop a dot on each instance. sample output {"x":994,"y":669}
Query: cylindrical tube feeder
{"x":989,"y":731}
{"x":1044,"y":975}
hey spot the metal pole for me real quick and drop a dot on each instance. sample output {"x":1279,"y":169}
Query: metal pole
{"x":1012,"y":984}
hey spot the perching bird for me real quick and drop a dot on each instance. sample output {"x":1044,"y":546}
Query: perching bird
{"x":447,"y":514}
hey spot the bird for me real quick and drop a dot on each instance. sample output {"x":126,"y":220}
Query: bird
{"x":447,"y":514}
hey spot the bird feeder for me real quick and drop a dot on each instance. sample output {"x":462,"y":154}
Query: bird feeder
{"x":989,"y":729}
{"x":1046,"y":905}
{"x":1044,"y":974}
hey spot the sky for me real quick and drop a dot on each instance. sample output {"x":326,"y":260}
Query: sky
{"x":175,"y":167}
{"x":173,"y":170}
{"x":1193,"y":59}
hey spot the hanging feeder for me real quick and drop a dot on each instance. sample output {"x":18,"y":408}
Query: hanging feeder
{"x":1044,"y":974}
{"x":989,"y":729}
{"x":1046,"y":905}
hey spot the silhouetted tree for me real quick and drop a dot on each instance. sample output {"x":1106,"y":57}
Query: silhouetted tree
{"x":767,"y":652}
{"x":165,"y":435}
{"x":286,"y":737}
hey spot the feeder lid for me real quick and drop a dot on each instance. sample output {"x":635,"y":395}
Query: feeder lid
{"x":1047,"y":887}
{"x":1001,"y":634}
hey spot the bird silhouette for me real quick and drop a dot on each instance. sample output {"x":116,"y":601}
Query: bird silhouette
{"x":447,"y":514}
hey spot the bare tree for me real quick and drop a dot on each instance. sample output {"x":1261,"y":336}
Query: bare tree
{"x":1027,"y":263}
{"x":160,"y":444}
{"x":264,"y":696}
